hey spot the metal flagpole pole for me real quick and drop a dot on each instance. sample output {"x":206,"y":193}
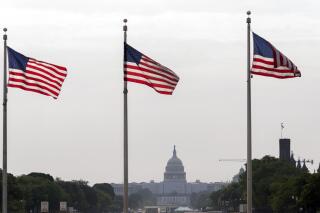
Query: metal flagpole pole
{"x":125,"y":137}
{"x":4,"y":168}
{"x":249,"y":134}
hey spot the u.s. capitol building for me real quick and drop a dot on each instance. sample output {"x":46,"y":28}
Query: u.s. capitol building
{"x":174,"y":190}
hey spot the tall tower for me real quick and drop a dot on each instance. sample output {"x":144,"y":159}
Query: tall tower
{"x":284,"y":149}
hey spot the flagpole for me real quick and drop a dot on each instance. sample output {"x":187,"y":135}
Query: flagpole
{"x":249,"y":134}
{"x":125,"y":136}
{"x":4,"y":168}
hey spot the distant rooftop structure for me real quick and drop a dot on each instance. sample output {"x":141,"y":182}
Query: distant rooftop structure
{"x":284,"y":149}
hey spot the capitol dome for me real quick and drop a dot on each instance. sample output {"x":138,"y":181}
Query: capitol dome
{"x":174,"y":169}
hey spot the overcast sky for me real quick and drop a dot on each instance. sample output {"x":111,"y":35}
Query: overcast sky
{"x":80,"y":135}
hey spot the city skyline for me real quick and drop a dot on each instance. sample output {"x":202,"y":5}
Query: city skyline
{"x":79,"y":136}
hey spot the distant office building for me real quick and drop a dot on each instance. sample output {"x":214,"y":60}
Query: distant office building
{"x":174,"y":190}
{"x":132,"y":188}
{"x":284,"y":149}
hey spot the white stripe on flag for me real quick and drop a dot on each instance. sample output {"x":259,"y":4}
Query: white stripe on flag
{"x":33,"y":87}
{"x":150,"y":81}
{"x":272,"y":72}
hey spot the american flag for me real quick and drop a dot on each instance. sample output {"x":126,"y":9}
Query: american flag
{"x":35,"y":76}
{"x":141,"y":69}
{"x":268,"y":61}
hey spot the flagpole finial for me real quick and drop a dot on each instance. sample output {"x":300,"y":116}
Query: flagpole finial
{"x":5,"y":33}
{"x":248,"y":18}
{"x":125,"y":28}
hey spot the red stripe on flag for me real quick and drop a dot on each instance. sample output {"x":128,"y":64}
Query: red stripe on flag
{"x":160,"y":69}
{"x":33,"y":84}
{"x":272,"y":75}
{"x":28,"y":89}
{"x":40,"y":75}
{"x":35,"y":79}
{"x":44,"y":71}
{"x":150,"y":85}
{"x":263,"y":61}
{"x":150,"y":71}
{"x":153,"y":85}
{"x":272,"y":69}
{"x":150,"y":77}
{"x":47,"y":67}
{"x":57,"y":66}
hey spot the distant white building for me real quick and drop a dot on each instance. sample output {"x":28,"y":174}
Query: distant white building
{"x":174,"y":190}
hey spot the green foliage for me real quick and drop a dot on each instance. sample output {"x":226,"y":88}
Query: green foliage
{"x":310,"y":194}
{"x":143,"y":197}
{"x":278,"y":186}
{"x":105,"y":195}
{"x":104,"y":187}
{"x":117,"y":205}
{"x":200,"y":200}
{"x":267,"y":171}
{"x":80,"y":195}
{"x":27,"y":191}
{"x":229,"y":197}
{"x":15,"y":197}
{"x":37,"y":188}
{"x":41,"y":175}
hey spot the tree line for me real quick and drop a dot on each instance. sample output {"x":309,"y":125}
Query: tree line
{"x":278,"y":186}
{"x":25,"y":193}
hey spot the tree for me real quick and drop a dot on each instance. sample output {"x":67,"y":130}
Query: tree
{"x":25,"y":193}
{"x":106,"y":188}
{"x":41,"y":175}
{"x":15,"y":197}
{"x":117,"y":205}
{"x":39,"y":187}
{"x":310,"y":194}
{"x":105,"y":195}
{"x":143,"y":197}
{"x":75,"y":195}
{"x":286,"y":193}
{"x":200,"y":200}
{"x":216,"y":199}
{"x":135,"y":201}
{"x":278,"y":186}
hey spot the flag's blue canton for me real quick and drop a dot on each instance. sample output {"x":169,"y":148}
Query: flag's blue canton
{"x":33,"y":75}
{"x":268,"y":61}
{"x":132,"y":55}
{"x":141,"y":69}
{"x":17,"y":60}
{"x":262,"y":47}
